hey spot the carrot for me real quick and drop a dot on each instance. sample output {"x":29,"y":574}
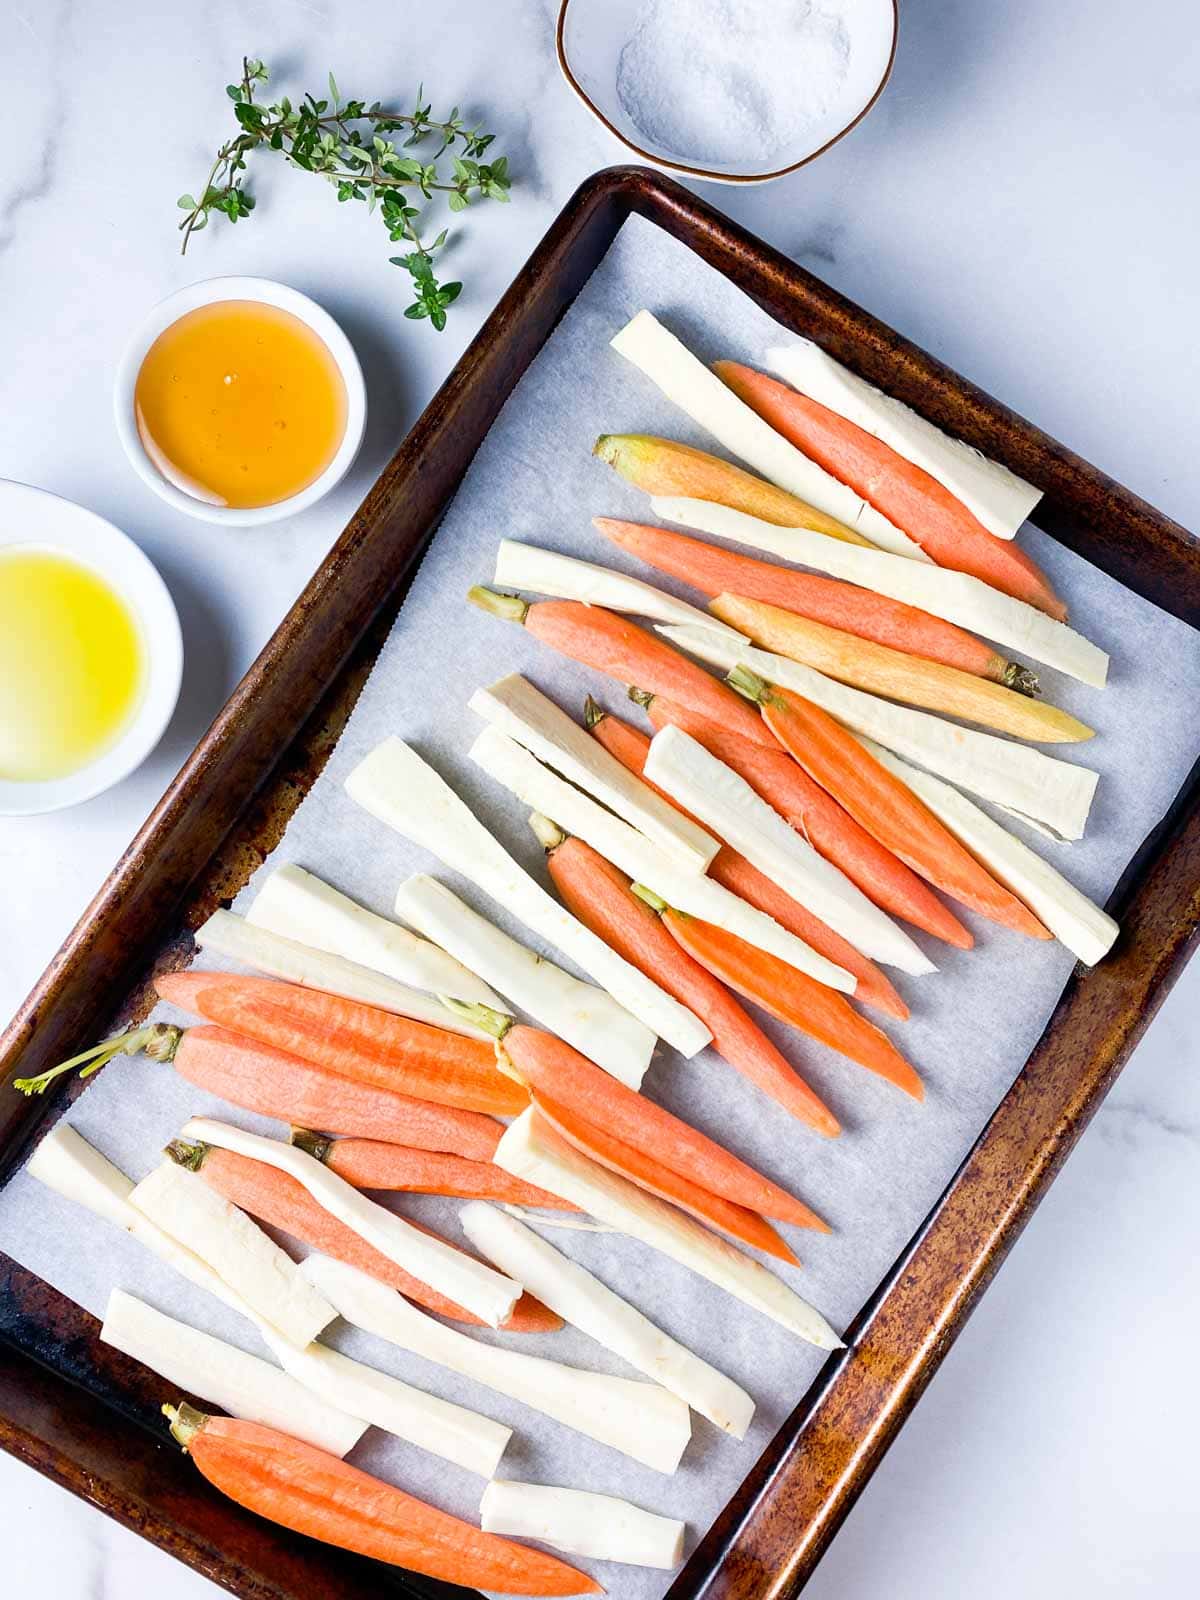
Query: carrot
{"x":601,"y":897}
{"x":374,"y":1164}
{"x":881,"y":670}
{"x":311,"y":1492}
{"x":885,"y":806}
{"x":259,"y":1078}
{"x":665,"y":467}
{"x":827,"y":826}
{"x":282,"y":1202}
{"x":806,"y":1005}
{"x":355,"y":1041}
{"x":551,"y":1068}
{"x":614,"y":645}
{"x":828,"y":600}
{"x":905,"y":494}
{"x":730,"y":869}
{"x":745,"y":1226}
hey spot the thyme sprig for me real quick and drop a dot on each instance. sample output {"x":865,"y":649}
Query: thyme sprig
{"x":349,"y":143}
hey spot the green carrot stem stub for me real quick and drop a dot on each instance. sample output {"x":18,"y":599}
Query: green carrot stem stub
{"x":497,"y":1023}
{"x":159,"y":1040}
{"x":187,"y":1155}
{"x":186,"y":1422}
{"x":548,"y":834}
{"x":313,"y":1144}
{"x":654,"y":901}
{"x":593,"y":713}
{"x":509,"y":607}
{"x":748,"y":684}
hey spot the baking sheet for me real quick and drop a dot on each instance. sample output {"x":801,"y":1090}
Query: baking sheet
{"x":972,"y":1027}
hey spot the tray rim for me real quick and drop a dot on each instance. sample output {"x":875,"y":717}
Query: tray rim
{"x":771,"y":1535}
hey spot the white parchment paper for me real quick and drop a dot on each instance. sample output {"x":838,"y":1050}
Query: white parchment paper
{"x":973,"y":1023}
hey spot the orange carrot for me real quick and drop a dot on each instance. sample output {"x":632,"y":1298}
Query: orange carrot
{"x":885,"y":806}
{"x":614,"y":645}
{"x":745,"y":1226}
{"x":374,"y":1164}
{"x":262,"y":1079}
{"x":311,"y":1492}
{"x":630,"y":746}
{"x":282,"y":1202}
{"x":554,"y":1069}
{"x":809,"y":1006}
{"x":828,"y":600}
{"x":827,"y":826}
{"x":356,"y":1041}
{"x":665,"y":467}
{"x":599,"y":894}
{"x":908,"y":497}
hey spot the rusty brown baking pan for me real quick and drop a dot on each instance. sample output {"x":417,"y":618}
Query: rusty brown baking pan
{"x":86,"y":1416}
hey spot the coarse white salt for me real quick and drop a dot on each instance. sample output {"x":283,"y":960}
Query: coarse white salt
{"x":723,"y":82}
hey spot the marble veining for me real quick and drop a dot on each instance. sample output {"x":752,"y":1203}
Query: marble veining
{"x":1018,"y":203}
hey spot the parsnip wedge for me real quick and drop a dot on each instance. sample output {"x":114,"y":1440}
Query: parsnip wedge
{"x":586,"y":1017}
{"x":530,"y":1149}
{"x":236,"y":1249}
{"x":996,"y":497}
{"x":684,"y":379}
{"x":467,"y":1438}
{"x":598,"y":1311}
{"x":529,"y":567}
{"x":400,"y":790}
{"x":245,"y":1386}
{"x":581,"y":1523}
{"x":300,"y":906}
{"x":953,"y":596}
{"x":1073,"y":919}
{"x":630,"y":851}
{"x":518,"y":709}
{"x":722,"y":798}
{"x":641,"y":1420}
{"x":1055,"y":792}
{"x":281,"y":957}
{"x":469,"y":1283}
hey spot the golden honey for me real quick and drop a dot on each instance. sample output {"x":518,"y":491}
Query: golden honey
{"x":72,"y":664}
{"x":240,"y":404}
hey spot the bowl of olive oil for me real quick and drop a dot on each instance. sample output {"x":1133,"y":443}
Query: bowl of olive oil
{"x":91,"y":655}
{"x":240,"y":401}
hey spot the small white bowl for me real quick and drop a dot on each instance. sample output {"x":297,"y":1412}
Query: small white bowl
{"x":592,"y":33}
{"x":208,"y":292}
{"x":35,"y":517}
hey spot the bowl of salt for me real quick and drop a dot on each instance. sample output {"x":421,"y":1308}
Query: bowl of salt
{"x":733,"y":91}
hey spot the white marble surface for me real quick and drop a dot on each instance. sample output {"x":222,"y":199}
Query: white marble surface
{"x":1022,"y":202}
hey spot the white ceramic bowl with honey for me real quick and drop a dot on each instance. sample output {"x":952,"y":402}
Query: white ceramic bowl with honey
{"x":165,"y":447}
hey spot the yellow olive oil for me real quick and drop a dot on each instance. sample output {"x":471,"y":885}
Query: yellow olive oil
{"x":240,"y":403}
{"x":72,"y":664}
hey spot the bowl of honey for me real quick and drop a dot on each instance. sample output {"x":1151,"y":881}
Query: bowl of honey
{"x":240,"y":400}
{"x":91,"y":655}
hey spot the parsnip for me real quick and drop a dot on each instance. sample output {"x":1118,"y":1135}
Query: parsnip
{"x":586,"y":1017}
{"x":630,"y":851}
{"x":518,"y":709}
{"x":641,"y":1420}
{"x":584,"y":1524}
{"x":684,"y":379}
{"x":598,"y":1311}
{"x":398,"y":788}
{"x":1056,"y":792}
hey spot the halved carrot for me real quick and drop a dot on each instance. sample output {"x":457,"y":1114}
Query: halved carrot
{"x":885,"y":806}
{"x":827,"y":826}
{"x":600,"y":895}
{"x":282,"y":1202}
{"x":913,"y":681}
{"x":745,"y":1226}
{"x":665,"y":467}
{"x":311,"y":1492}
{"x":260,"y":1078}
{"x":615,"y":646}
{"x":630,"y":746}
{"x":905,"y":494}
{"x":828,"y":600}
{"x":806,"y":1005}
{"x":550,"y":1067}
{"x":375,"y":1164}
{"x":353,"y":1040}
